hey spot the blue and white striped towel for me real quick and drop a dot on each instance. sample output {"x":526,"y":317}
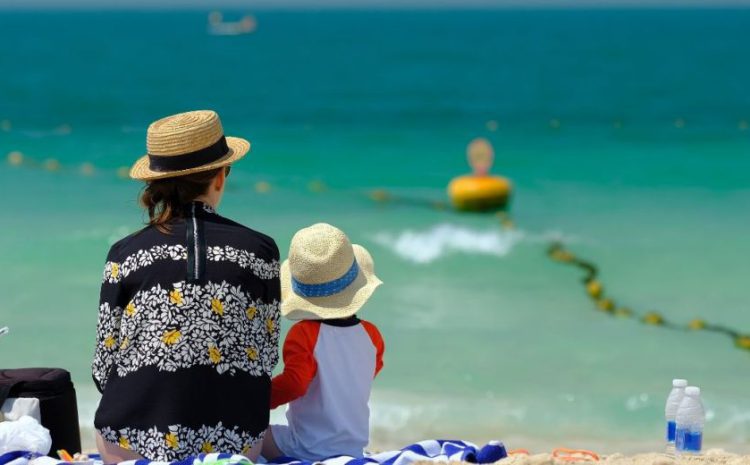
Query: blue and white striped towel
{"x":431,"y":450}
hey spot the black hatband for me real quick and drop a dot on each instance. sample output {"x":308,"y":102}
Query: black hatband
{"x":189,"y":160}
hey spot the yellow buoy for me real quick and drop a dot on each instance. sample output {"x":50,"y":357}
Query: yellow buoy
{"x":697,"y":324}
{"x":15,"y":158}
{"x":605,"y":305}
{"x":51,"y":164}
{"x":594,"y":288}
{"x":562,"y":255}
{"x":316,"y":186}
{"x":743,"y":342}
{"x":380,"y":195}
{"x":479,"y":191}
{"x":123,"y":172}
{"x":653,"y":318}
{"x":87,"y":169}
{"x":263,"y":187}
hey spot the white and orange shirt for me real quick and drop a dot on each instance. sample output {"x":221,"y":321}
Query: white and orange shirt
{"x":329,"y":366}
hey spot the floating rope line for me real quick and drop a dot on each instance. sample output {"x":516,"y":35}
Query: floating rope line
{"x":382,"y":196}
{"x":556,"y":250}
{"x":17,"y":159}
{"x":595,"y":291}
{"x":593,"y":286}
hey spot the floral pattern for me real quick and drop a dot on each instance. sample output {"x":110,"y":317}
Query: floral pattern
{"x":218,"y":334}
{"x":215,"y":324}
{"x":107,"y":336}
{"x":245,"y":259}
{"x":180,"y":441}
{"x":114,"y":272}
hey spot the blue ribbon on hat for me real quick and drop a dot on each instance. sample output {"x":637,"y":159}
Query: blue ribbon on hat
{"x":329,"y":288}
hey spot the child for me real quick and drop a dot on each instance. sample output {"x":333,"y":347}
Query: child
{"x":330,"y":357}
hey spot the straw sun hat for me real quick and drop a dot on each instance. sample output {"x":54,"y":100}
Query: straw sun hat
{"x":187,"y":143}
{"x":325,"y":276}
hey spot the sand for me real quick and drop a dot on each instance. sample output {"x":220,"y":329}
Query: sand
{"x":710,"y":457}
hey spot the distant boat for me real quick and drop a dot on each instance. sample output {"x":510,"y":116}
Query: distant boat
{"x":217,"y":26}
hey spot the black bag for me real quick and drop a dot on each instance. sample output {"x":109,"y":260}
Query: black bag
{"x":57,"y":401}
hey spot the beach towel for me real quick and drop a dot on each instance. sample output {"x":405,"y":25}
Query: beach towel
{"x":431,"y":451}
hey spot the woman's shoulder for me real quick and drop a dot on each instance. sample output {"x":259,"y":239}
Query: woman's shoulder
{"x":125,"y":246}
{"x":244,"y":237}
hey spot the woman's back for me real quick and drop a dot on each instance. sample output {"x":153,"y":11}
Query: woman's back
{"x":188,"y":337}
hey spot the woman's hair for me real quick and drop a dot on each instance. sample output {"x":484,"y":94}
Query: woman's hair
{"x":164,"y":198}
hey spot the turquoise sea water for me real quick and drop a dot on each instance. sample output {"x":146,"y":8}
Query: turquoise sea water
{"x":647,"y":175}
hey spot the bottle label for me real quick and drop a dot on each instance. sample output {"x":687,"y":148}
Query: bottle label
{"x":671,"y":426}
{"x":688,"y":441}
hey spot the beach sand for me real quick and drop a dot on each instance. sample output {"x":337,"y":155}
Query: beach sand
{"x":710,"y":457}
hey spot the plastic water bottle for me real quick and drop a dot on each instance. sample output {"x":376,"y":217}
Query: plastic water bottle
{"x":690,"y":420}
{"x":670,"y":411}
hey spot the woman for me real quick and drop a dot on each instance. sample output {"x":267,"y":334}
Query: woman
{"x":188,"y":319}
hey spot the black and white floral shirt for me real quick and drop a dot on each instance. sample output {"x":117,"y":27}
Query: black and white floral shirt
{"x":187,"y":337}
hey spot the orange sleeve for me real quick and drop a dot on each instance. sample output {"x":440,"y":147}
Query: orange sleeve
{"x":299,"y":363}
{"x":377,"y":341}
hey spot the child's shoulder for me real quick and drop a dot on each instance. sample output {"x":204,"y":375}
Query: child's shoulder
{"x":305,"y":326}
{"x":302,"y":336}
{"x":373,"y":332}
{"x":368,"y":325}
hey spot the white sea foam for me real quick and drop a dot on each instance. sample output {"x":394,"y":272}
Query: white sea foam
{"x":443,"y":239}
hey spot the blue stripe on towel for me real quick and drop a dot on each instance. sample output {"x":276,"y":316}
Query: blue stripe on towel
{"x":11,"y":456}
{"x":433,"y":451}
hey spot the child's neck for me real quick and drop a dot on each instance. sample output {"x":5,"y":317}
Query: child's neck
{"x":348,"y":321}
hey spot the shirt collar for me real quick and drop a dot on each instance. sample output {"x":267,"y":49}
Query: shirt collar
{"x":200,"y":208}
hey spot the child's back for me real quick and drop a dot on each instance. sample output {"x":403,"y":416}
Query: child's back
{"x":330,"y":357}
{"x":334,"y":364}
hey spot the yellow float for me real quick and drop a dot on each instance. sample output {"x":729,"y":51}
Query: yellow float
{"x":479,"y":191}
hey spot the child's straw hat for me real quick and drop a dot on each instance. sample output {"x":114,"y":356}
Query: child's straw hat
{"x":325,"y":276}
{"x":187,"y":143}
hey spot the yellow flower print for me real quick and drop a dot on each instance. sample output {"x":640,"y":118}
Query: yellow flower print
{"x":171,"y":337}
{"x":171,"y":440}
{"x":207,"y":448}
{"x":124,"y":443}
{"x":176,"y":297}
{"x":115,"y":270}
{"x":252,"y":353}
{"x":217,"y":307}
{"x":250,"y":312}
{"x":214,"y":354}
{"x":130,"y":309}
{"x":125,"y":343}
{"x":109,"y":342}
{"x":270,"y":325}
